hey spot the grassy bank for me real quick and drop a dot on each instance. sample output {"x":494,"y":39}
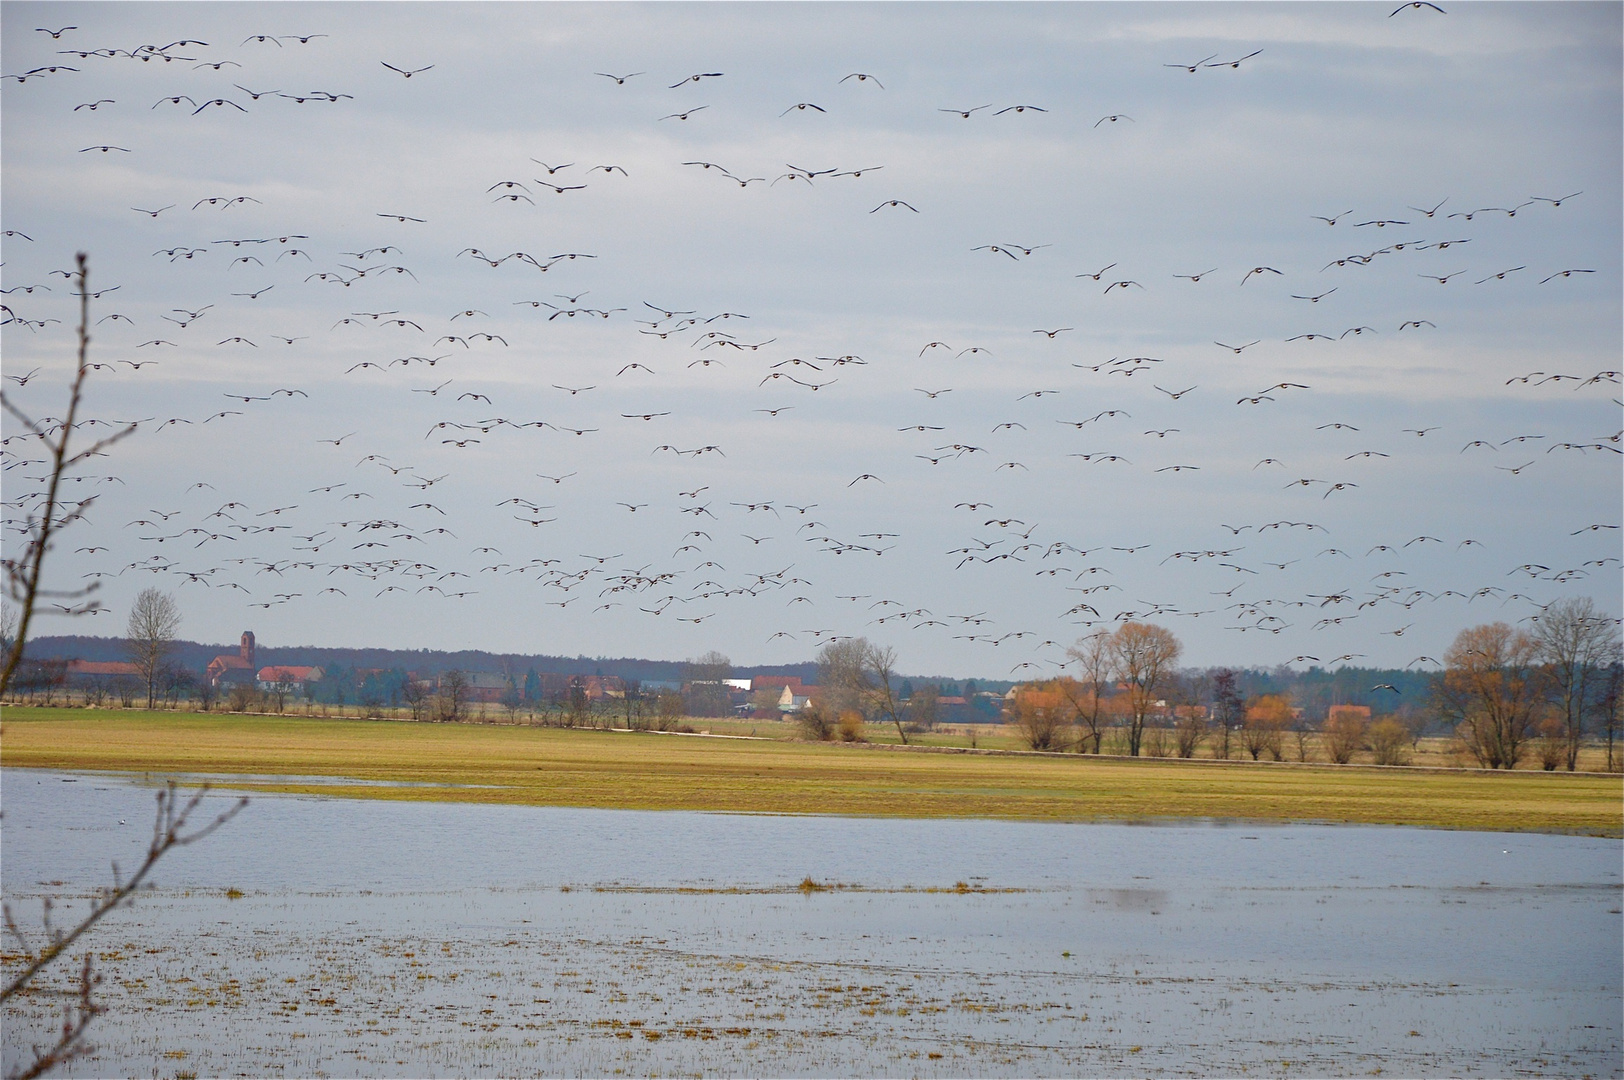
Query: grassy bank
{"x":553,"y":767}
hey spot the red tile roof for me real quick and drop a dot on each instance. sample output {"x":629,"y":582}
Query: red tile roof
{"x":287,"y":673}
{"x":101,"y":667}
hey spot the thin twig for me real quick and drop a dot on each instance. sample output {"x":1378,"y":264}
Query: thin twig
{"x":28,"y":571}
{"x":75,"y":1021}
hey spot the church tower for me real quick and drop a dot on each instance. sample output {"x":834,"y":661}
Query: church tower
{"x":248,"y":649}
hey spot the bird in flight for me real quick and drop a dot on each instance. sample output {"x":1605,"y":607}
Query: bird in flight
{"x":1191,"y":68}
{"x":1235,"y":63}
{"x":965,"y":113}
{"x":620,"y":80}
{"x":864,"y":77}
{"x":404,"y":72}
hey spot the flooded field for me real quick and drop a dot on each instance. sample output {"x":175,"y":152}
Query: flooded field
{"x":387,"y":938}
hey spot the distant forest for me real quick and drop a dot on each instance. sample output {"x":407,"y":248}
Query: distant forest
{"x":1314,"y":688}
{"x":195,"y":656}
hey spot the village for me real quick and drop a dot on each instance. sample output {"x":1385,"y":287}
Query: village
{"x":1186,"y":718}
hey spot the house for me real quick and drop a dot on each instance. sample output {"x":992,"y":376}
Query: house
{"x":789,"y":702}
{"x":228,"y":669}
{"x":287,"y":678}
{"x":483,"y":685}
{"x":81,"y":672}
{"x":790,"y":682}
{"x":1339,"y":713}
{"x":559,"y":688}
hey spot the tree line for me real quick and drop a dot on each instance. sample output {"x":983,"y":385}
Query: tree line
{"x":1503,"y":693}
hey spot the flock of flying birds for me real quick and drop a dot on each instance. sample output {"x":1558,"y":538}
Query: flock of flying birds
{"x":382,"y":527}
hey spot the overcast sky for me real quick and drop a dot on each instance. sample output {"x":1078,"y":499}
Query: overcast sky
{"x":969,"y":386}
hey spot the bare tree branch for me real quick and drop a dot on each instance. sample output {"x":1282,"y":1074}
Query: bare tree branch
{"x":24,"y":574}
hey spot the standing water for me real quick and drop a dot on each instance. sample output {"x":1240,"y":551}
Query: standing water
{"x":376,"y":938}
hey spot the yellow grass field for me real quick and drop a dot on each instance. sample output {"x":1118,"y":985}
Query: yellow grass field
{"x":649,"y":771}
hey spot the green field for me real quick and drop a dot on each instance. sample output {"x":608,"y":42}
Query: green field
{"x":648,"y":771}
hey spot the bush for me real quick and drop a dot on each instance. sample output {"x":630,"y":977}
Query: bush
{"x":1551,"y":746}
{"x":851,"y":726}
{"x":1041,"y":716}
{"x":1389,"y":742}
{"x":1343,"y":736}
{"x":814,"y":722}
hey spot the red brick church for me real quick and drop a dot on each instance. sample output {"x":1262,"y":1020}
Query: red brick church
{"x":227,"y":669}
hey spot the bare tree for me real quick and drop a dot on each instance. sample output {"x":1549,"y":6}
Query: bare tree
{"x":1578,"y":646}
{"x":1491,"y":687}
{"x":8,"y":625}
{"x":843,"y":675}
{"x":857,"y":676}
{"x":25,"y":573}
{"x":925,"y":708}
{"x":670,"y":707}
{"x":1142,"y":658}
{"x":580,"y":704}
{"x":1228,"y":709}
{"x":511,"y":699}
{"x":150,"y":636}
{"x":413,"y":693}
{"x":1611,"y":702}
{"x":881,"y":662}
{"x":1086,"y":693}
{"x":1190,"y":733}
{"x":1186,"y":690}
{"x":453,"y":695}
{"x":706,"y":678}
{"x":632,"y":699}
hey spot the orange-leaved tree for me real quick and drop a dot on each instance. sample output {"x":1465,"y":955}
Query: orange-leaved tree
{"x":1142,"y":659}
{"x":1493,"y":688}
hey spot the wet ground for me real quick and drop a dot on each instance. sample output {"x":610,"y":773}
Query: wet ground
{"x":376,"y":938}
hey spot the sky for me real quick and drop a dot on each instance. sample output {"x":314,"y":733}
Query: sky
{"x":1308,"y":354}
